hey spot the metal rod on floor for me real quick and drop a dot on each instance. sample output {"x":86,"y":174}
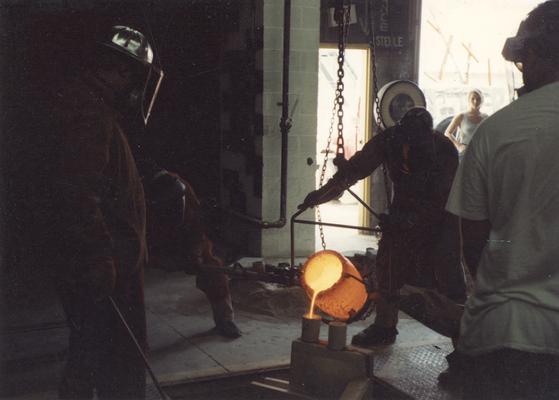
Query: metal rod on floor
{"x":133,"y":337}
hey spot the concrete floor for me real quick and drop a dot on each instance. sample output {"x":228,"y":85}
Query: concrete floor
{"x":184,"y":348}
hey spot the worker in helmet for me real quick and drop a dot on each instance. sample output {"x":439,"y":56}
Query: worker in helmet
{"x":178,"y":238}
{"x":94,"y":213}
{"x":419,"y":243}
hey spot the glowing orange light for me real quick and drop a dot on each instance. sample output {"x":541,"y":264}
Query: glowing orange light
{"x":333,"y":284}
{"x":324,"y":272}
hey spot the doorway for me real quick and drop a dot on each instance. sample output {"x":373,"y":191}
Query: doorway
{"x":346,"y":209}
{"x":460,"y":50}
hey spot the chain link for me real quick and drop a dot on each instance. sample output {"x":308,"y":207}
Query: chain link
{"x":379,"y":121}
{"x":337,"y":109}
{"x":342,"y":40}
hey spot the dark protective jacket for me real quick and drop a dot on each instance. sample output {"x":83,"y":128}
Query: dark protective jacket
{"x":421,"y":183}
{"x":422,"y":243}
{"x":98,"y":206}
{"x":96,"y":230}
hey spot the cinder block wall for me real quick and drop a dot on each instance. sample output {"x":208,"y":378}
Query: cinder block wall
{"x":303,"y":88}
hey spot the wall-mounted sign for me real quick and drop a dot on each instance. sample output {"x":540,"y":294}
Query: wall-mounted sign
{"x":391,"y":22}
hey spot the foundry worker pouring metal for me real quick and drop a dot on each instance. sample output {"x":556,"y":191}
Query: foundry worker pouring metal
{"x":95,"y":213}
{"x":420,"y":243}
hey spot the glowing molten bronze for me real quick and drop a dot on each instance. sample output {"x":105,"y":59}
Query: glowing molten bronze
{"x":334,"y":284}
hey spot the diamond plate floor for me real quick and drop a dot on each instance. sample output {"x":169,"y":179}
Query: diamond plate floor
{"x":414,"y":370}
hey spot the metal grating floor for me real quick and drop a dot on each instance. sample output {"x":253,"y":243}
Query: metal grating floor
{"x":414,"y":370}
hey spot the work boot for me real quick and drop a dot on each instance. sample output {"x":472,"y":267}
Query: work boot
{"x":223,"y":317}
{"x":375,"y":335}
{"x":228,"y":329}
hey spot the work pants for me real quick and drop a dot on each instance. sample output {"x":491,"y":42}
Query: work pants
{"x":215,"y":285}
{"x":216,"y":288}
{"x":418,"y":257}
{"x":506,"y":374}
{"x":101,"y":354}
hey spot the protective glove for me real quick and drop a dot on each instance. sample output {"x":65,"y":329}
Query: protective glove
{"x":330,"y":191}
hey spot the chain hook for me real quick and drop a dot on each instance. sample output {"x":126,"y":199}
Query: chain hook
{"x":342,"y":17}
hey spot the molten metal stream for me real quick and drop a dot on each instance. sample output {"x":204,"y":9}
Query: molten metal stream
{"x":311,"y":314}
{"x":321,"y":276}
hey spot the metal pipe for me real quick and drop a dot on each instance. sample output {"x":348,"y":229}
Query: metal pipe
{"x":362,"y":228}
{"x":364,"y":204}
{"x":292,"y":237}
{"x":309,"y":222}
{"x":285,"y":125}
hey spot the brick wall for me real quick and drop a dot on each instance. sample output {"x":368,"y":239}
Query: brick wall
{"x":303,"y":87}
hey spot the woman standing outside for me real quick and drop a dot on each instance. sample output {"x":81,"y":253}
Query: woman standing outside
{"x":467,"y":122}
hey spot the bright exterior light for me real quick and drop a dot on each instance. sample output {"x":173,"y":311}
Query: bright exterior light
{"x":461,"y":45}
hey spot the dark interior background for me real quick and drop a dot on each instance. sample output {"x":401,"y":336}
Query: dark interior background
{"x":208,"y":50}
{"x":41,"y":41}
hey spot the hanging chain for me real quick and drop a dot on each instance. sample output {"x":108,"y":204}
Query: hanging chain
{"x":379,"y":121}
{"x":342,"y":40}
{"x":337,"y":109}
{"x":375,"y":80}
{"x":328,"y":143}
{"x":323,"y":173}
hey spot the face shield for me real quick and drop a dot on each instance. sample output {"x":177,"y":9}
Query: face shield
{"x":134,"y":45}
{"x":514,"y":47}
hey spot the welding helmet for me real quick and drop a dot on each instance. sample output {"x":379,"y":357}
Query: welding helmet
{"x":539,"y":32}
{"x":414,"y":126}
{"x":412,"y":140}
{"x":134,"y":46}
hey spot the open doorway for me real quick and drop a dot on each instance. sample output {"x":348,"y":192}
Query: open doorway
{"x":346,"y":209}
{"x":460,"y":50}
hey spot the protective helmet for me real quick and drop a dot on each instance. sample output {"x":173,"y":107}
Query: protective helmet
{"x":165,"y":197}
{"x":413,"y":128}
{"x":133,"y":44}
{"x":539,"y":31}
{"x":130,"y":42}
{"x":417,"y":118}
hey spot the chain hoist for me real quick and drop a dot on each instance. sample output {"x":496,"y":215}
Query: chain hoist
{"x":379,"y":121}
{"x":343,"y":28}
{"x":342,"y":14}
